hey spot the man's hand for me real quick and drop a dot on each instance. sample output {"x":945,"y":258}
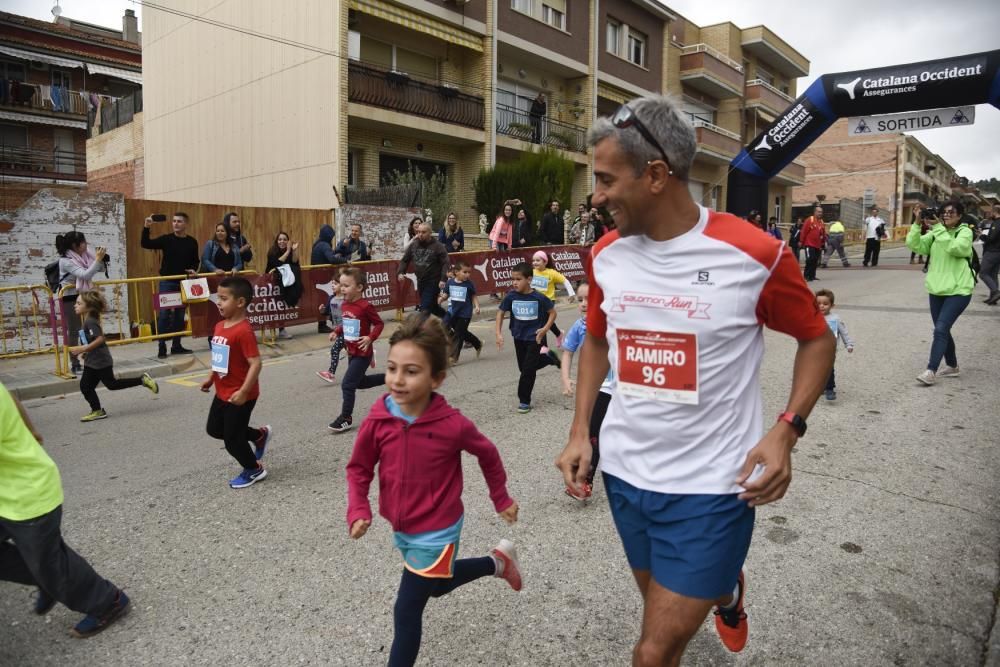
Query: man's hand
{"x":219,"y":272}
{"x":239,"y":398}
{"x":364,"y":342}
{"x":190,"y":272}
{"x":774,"y":453}
{"x":207,"y":384}
{"x":442,"y":284}
{"x":400,"y":277}
{"x":359,"y":528}
{"x":245,"y":247}
{"x":510,"y":514}
{"x":574,"y":462}
{"x":148,"y":222}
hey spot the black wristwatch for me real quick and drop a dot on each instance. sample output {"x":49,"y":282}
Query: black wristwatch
{"x":797,"y":422}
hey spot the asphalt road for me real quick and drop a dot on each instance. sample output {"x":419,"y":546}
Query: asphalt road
{"x":885,"y":551}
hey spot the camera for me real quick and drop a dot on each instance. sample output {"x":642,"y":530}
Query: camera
{"x":930,"y":213}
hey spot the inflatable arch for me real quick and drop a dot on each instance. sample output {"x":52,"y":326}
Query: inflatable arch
{"x":963,"y":80}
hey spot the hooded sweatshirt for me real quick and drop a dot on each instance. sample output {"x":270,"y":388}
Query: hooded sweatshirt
{"x":950,"y":273}
{"x":419,"y":467}
{"x":322,"y":250}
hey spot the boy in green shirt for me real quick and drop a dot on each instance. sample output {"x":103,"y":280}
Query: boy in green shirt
{"x":30,"y":514}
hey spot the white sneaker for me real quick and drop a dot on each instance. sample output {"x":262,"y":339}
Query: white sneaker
{"x":927,"y":377}
{"x":949,"y":372}
{"x":284,"y":335}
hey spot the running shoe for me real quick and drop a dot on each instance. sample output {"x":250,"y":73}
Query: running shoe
{"x":248,"y":477}
{"x":341,"y":424}
{"x":927,"y":377}
{"x":831,"y":395}
{"x":556,"y":361}
{"x":43,"y":602}
{"x":584,"y":496}
{"x":949,"y":372}
{"x":326,"y":376}
{"x":524,"y":408}
{"x":479,"y":350}
{"x":731,"y":623}
{"x":284,"y":335}
{"x":261,"y":445}
{"x":93,"y":624}
{"x":94,"y":416}
{"x":505,"y":555}
{"x":149,"y":383}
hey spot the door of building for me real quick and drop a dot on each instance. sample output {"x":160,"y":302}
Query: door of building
{"x":63,"y":151}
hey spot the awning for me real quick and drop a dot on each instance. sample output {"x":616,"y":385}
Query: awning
{"x":39,"y":57}
{"x":124,"y":74}
{"x":613,"y":94}
{"x":43,"y":120}
{"x":418,"y":22}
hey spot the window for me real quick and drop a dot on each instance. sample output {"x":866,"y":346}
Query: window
{"x":352,"y":168}
{"x":9,"y":70}
{"x":553,"y":17}
{"x":397,"y":58}
{"x":698,"y":111}
{"x":614,"y":37}
{"x":60,"y":78}
{"x":765,"y":76}
{"x":636,"y":48}
{"x":13,"y":136}
{"x":524,"y":6}
{"x":515,"y":95}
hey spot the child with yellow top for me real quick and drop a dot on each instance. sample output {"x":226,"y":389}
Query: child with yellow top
{"x":544,"y":280}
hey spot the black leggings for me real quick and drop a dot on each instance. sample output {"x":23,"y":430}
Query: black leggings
{"x":231,"y":424}
{"x":414,"y":592}
{"x":596,"y":419}
{"x":94,"y":376}
{"x":460,"y":334}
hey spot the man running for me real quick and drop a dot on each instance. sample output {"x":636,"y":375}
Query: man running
{"x":678,"y":299}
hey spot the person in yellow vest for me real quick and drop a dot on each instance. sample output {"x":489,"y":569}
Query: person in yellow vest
{"x":32,"y":550}
{"x":835,"y":243}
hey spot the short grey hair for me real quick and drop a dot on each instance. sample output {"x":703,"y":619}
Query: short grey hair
{"x":665,"y":120}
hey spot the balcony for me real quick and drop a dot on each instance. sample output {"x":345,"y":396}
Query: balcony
{"x":773,"y":50}
{"x":715,"y":144}
{"x":410,"y":95}
{"x":16,"y":161}
{"x":793,"y":174}
{"x":513,"y":122}
{"x":710,"y":72}
{"x":72,"y":111}
{"x":765,"y":97}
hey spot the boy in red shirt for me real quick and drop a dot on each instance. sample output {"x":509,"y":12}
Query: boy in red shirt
{"x":235,"y":369}
{"x":360,"y":326}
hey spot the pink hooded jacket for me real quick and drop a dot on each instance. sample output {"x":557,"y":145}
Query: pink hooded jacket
{"x":419,"y":467}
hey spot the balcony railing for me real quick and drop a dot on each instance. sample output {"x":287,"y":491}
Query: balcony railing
{"x":715,"y":141}
{"x":513,"y":122}
{"x":31,"y":162}
{"x":759,"y":92}
{"x":120,"y":112}
{"x":401,"y":92}
{"x":69,"y":101}
{"x":705,"y":48}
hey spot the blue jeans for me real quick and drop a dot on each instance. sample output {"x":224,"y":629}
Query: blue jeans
{"x":944,"y":312}
{"x":356,"y":378}
{"x":428,"y":293}
{"x":170,"y":320}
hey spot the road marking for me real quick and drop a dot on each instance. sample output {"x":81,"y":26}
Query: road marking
{"x":189,"y":380}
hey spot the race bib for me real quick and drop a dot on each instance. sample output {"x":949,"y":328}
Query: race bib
{"x":83,"y":337}
{"x":540,"y":283}
{"x":658,"y":365}
{"x":352,"y":329}
{"x":526,"y":311}
{"x":457,"y":293}
{"x":220,"y":358}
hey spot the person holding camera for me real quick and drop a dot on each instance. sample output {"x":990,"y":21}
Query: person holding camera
{"x":180,"y":256}
{"x":874,"y":234}
{"x":77,"y":267}
{"x":950,"y":281}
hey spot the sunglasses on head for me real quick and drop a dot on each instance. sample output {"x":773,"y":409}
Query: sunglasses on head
{"x":625,"y":117}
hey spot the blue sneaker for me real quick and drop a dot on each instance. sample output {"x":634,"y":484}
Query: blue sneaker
{"x":43,"y":602}
{"x":524,"y":408}
{"x":91,"y":624}
{"x":266,"y":432}
{"x":248,"y":477}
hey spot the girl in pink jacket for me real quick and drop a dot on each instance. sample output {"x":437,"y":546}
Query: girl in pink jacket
{"x":416,"y":439}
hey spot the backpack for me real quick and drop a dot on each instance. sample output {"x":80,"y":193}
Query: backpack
{"x":975,"y":266}
{"x":52,"y":277}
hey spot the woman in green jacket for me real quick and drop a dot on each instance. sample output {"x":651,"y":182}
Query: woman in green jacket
{"x":949,"y":282}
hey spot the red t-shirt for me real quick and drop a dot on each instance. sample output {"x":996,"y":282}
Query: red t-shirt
{"x":231,"y":348}
{"x":359,"y":319}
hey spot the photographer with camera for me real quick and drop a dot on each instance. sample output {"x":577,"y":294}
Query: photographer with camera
{"x":77,"y":267}
{"x":180,"y":256}
{"x":949,"y":283}
{"x":874,"y":235}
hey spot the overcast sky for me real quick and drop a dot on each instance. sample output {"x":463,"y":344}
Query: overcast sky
{"x":836,"y":36}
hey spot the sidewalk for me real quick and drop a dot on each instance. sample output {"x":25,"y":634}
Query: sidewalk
{"x":33,"y":377}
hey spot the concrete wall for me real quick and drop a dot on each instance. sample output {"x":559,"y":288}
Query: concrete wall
{"x":115,"y":160}
{"x":234,"y":117}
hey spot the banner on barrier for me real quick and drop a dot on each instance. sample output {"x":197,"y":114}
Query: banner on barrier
{"x":491,"y":272}
{"x":914,"y":120}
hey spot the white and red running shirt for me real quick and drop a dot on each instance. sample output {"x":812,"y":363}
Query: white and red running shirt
{"x":683,"y":319}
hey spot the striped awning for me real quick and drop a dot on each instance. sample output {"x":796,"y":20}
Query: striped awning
{"x":418,"y":22}
{"x":613,"y":94}
{"x":39,"y":57}
{"x":123,"y":74}
{"x":40,"y":119}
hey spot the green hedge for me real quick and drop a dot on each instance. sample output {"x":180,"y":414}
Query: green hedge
{"x":536,"y":179}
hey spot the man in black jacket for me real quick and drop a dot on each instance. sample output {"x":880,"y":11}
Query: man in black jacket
{"x":430,"y":264}
{"x":990,"y":265}
{"x":323,"y":253}
{"x":180,"y":256}
{"x":522,"y":230}
{"x":552,"y":225}
{"x":352,"y":248}
{"x":536,"y":114}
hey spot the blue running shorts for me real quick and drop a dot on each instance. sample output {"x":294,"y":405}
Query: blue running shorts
{"x":692,"y":544}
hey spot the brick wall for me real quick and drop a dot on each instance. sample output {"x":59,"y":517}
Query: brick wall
{"x":383,"y":227}
{"x":115,"y":160}
{"x":27,"y":242}
{"x":842,"y":167}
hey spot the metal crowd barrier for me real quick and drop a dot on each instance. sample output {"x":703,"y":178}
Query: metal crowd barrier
{"x":28,"y":328}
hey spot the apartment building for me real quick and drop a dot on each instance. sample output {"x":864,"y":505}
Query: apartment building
{"x":57,"y":81}
{"x":313,"y":95}
{"x":894,"y":171}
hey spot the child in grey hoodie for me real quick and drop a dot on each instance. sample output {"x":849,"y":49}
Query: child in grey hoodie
{"x":825,"y":299}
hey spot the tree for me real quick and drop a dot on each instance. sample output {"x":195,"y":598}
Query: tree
{"x":435,"y":190}
{"x":536,"y":179}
